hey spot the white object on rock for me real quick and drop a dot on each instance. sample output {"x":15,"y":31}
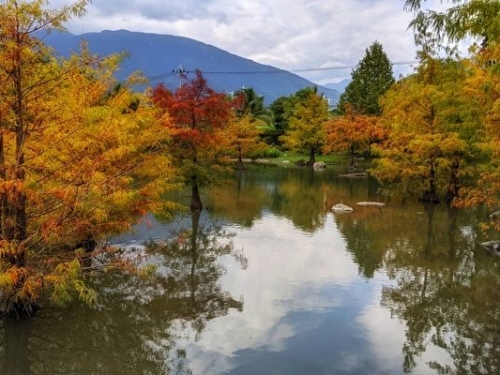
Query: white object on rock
{"x":319,"y":165}
{"x":493,"y":246}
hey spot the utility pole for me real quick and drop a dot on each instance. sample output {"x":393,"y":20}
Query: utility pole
{"x":181,"y":72}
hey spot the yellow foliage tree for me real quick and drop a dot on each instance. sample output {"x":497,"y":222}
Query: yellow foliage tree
{"x":431,"y":133}
{"x":305,"y":127}
{"x":79,"y":159}
{"x":242,"y":137}
{"x":484,"y":89}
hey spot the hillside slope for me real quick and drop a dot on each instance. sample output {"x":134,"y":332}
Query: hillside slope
{"x":160,"y":56}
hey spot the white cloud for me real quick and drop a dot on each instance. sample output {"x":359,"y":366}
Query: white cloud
{"x":289,"y":34}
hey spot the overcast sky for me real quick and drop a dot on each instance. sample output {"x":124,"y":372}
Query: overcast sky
{"x":321,"y":40}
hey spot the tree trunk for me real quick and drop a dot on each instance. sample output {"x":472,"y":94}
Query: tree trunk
{"x":13,"y":204}
{"x":430,"y":195}
{"x":454,"y":184}
{"x":351,"y":154}
{"x":239,"y":163}
{"x":3,"y":196}
{"x":312,"y":157}
{"x":195,"y":220}
{"x":19,"y":196}
{"x":196,"y":204}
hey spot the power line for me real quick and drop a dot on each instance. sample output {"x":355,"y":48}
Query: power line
{"x":275,"y":71}
{"x":160,"y":76}
{"x":181,"y":73}
{"x":347,"y":67}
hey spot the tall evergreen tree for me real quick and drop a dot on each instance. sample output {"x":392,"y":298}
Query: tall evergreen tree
{"x":370,"y":80}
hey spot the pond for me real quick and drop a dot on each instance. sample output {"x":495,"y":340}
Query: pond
{"x":268,"y":280}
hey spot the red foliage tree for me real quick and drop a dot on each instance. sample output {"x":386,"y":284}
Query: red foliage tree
{"x":197,"y":115}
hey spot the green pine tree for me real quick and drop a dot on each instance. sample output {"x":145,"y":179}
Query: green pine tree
{"x":370,"y":80}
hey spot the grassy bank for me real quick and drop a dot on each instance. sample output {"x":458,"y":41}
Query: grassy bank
{"x":291,"y":158}
{"x":296,"y":158}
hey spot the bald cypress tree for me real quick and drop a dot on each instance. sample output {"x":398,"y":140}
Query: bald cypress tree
{"x":370,"y":80}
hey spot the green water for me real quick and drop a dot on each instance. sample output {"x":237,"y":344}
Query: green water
{"x":269,"y":281}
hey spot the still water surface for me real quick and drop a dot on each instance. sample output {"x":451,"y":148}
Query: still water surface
{"x":269,"y":281}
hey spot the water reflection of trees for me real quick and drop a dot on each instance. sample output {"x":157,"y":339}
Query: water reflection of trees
{"x":446,"y":290}
{"x":302,"y":200}
{"x":297,"y":194}
{"x":302,"y":195}
{"x":138,"y":324}
{"x":191,"y":274}
{"x":448,"y":294}
{"x":241,"y":201}
{"x":363,"y":231}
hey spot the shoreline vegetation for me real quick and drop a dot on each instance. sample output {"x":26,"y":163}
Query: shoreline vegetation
{"x":300,"y":160}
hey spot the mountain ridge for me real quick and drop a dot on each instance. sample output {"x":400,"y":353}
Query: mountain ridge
{"x":339,"y":86}
{"x":160,"y":56}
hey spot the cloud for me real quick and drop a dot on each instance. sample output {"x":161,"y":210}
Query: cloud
{"x":303,"y":35}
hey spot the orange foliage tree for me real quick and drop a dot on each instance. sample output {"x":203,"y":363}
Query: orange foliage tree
{"x":196,"y":116}
{"x":77,"y":159}
{"x":352,"y":132}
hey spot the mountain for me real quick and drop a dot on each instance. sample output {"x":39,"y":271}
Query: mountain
{"x":338,"y":86}
{"x":160,"y":57}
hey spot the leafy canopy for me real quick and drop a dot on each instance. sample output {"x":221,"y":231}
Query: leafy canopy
{"x":431,"y":133}
{"x":196,"y":116}
{"x":352,"y":132}
{"x":305,"y":128}
{"x":77,"y":159}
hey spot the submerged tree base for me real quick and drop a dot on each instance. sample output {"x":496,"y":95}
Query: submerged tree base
{"x":18,"y":311}
{"x":428,"y":198}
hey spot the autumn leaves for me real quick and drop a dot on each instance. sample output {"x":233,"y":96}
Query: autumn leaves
{"x":81,"y":158}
